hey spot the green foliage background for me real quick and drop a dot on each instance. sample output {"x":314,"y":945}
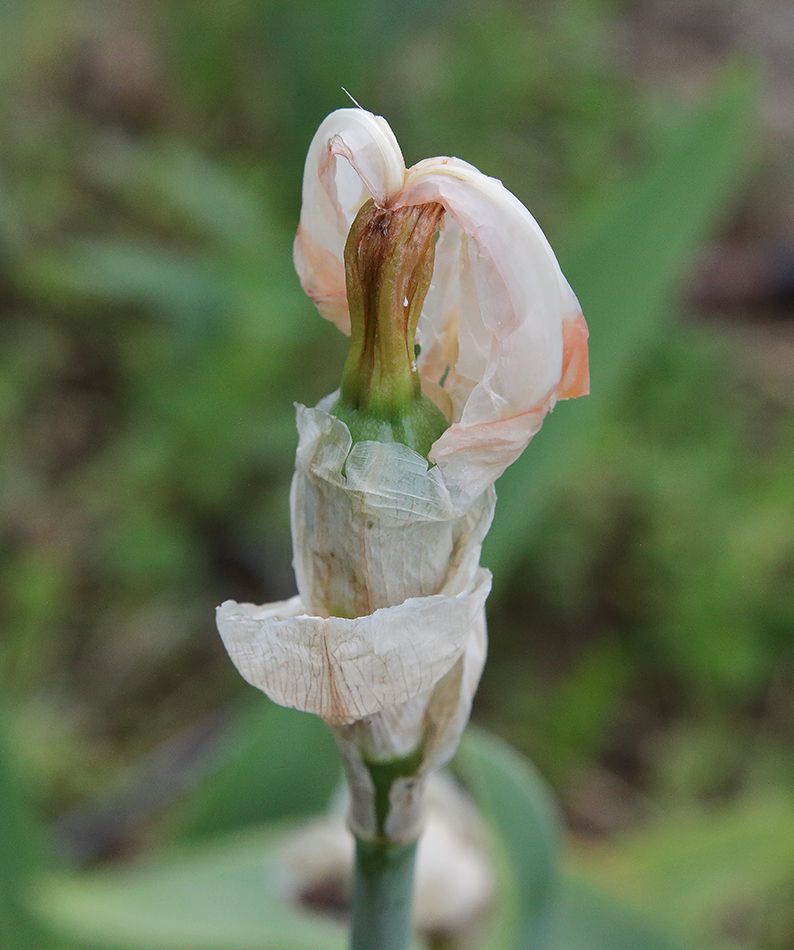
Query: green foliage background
{"x":153,"y":340}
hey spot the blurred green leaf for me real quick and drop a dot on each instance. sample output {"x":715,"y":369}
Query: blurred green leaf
{"x":227,"y":896}
{"x":279,"y":763}
{"x":625,"y":266}
{"x":590,"y":919}
{"x":202,"y":194}
{"x":121,"y":273}
{"x":548,"y":911}
{"x":230,"y":894}
{"x":715,"y":867}
{"x":516,"y":800}
{"x":21,"y":856}
{"x":581,"y":713}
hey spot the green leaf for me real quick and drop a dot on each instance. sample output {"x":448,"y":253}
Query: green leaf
{"x":706,"y":864}
{"x":589,"y":919}
{"x":514,"y":797}
{"x":183,"y":286}
{"x":20,"y":856}
{"x":203,"y":194}
{"x":279,"y":763}
{"x":222,"y":897}
{"x":230,"y":894}
{"x":625,"y":267}
{"x":544,"y":910}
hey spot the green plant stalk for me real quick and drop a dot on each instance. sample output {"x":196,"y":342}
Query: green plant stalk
{"x":383,"y":880}
{"x":382,"y":902}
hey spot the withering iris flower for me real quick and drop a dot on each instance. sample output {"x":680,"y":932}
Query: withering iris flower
{"x":386,"y":639}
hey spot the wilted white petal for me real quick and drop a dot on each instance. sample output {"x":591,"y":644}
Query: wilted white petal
{"x":373,"y":525}
{"x":501,"y":334}
{"x":433,"y":721}
{"x":333,"y":191}
{"x":344,"y":670}
{"x":516,"y":277}
{"x":387,"y":638}
{"x":500,"y":327}
{"x":472,"y":457}
{"x":450,"y":705}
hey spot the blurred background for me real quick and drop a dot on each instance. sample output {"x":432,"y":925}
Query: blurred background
{"x":153,"y":339}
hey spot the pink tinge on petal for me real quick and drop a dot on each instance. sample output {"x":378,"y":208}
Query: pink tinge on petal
{"x":575,"y":379}
{"x":503,"y":281}
{"x":472,"y":457}
{"x":322,"y":276}
{"x":353,"y":155}
{"x":501,"y":331}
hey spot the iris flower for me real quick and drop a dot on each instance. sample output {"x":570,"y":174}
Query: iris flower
{"x":386,"y":639}
{"x":501,"y":335}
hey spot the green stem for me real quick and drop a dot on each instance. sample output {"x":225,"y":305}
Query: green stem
{"x":383,"y":886}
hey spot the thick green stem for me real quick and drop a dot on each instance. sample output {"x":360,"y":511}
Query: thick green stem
{"x":383,"y":887}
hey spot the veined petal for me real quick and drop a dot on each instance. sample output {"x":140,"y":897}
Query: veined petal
{"x":501,"y":328}
{"x":500,"y":323}
{"x":333,"y":192}
{"x":432,"y":721}
{"x":472,"y":457}
{"x":508,"y":290}
{"x":344,"y":670}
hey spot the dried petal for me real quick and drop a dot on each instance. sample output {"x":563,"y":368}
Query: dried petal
{"x":344,"y":670}
{"x":373,"y":525}
{"x":505,"y":302}
{"x":387,"y":639}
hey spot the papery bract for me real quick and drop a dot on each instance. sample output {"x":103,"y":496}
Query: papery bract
{"x":376,"y":532}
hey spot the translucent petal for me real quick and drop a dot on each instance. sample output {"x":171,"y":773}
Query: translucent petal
{"x":352,"y":157}
{"x":520,"y":341}
{"x":373,"y":525}
{"x":501,"y":334}
{"x":510,"y":293}
{"x":433,"y":721}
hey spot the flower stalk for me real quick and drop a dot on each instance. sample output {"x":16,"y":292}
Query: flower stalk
{"x":382,"y":899}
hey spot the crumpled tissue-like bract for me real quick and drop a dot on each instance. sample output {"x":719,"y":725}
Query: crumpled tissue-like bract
{"x":391,"y":594}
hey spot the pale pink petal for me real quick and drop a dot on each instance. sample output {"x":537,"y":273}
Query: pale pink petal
{"x":472,"y":457}
{"x":575,"y":363}
{"x":371,"y":165}
{"x":501,"y":334}
{"x":502,"y":315}
{"x":509,"y":287}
